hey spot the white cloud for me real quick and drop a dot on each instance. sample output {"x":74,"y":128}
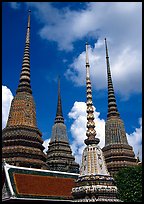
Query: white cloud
{"x":65,"y":26}
{"x":77,"y":71}
{"x":78,"y":131}
{"x":45,"y":144}
{"x":135,"y":139}
{"x":120,"y":22}
{"x":78,"y":128}
{"x":125,"y":68}
{"x":6,"y":102}
{"x":15,"y":5}
{"x":61,"y":25}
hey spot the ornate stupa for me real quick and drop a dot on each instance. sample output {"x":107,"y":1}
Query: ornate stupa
{"x":94,"y":183}
{"x":21,"y":139}
{"x":59,"y":153}
{"x":118,"y":153}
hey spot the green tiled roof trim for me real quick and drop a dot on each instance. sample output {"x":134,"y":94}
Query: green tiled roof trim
{"x":24,"y":171}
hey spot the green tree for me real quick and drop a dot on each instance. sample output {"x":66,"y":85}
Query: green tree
{"x":129,"y":184}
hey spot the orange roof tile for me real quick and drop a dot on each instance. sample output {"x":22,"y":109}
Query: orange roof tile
{"x":43,"y":185}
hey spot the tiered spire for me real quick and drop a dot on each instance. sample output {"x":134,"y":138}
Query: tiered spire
{"x":94,"y":183}
{"x":112,"y":107}
{"x":59,"y":154}
{"x":22,"y":142}
{"x":118,"y":153}
{"x":59,"y":115}
{"x":91,"y":133}
{"x":24,"y":83}
{"x":27,"y":115}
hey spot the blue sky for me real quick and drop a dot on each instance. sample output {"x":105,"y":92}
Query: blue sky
{"x":59,"y":31}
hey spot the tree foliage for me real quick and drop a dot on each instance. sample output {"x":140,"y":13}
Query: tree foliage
{"x":129,"y":184}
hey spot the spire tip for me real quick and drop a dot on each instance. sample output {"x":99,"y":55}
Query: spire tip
{"x":59,"y":116}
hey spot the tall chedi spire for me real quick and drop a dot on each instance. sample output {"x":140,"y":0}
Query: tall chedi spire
{"x":118,"y":153}
{"x":59,"y":115}
{"x":59,"y":154}
{"x":94,"y":183}
{"x":91,"y":133}
{"x":22,"y":142}
{"x":24,"y":84}
{"x":112,"y":106}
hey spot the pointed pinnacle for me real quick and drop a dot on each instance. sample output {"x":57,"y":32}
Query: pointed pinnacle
{"x":87,"y":60}
{"x":24,"y":82}
{"x":112,"y":106}
{"x":91,"y":132}
{"x":59,"y":116}
{"x":106,"y":49}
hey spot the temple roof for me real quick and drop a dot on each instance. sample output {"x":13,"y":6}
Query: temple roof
{"x":31,"y":184}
